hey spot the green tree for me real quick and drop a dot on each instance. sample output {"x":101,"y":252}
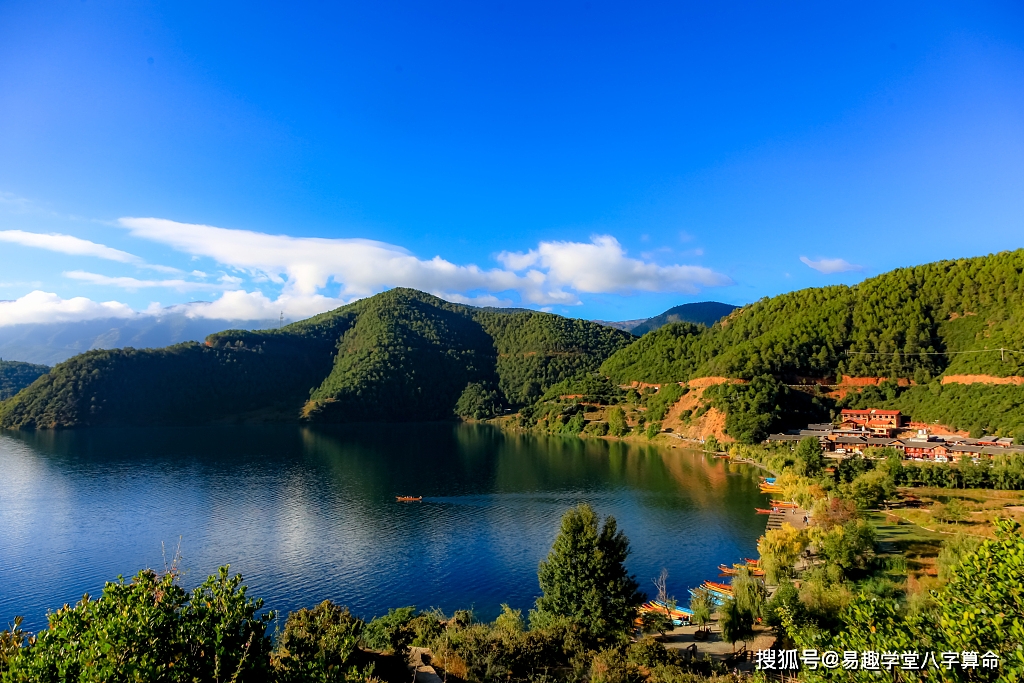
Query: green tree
{"x":702,"y":604}
{"x":871,"y":489}
{"x":980,"y":609}
{"x":779,"y":549}
{"x":584,"y":578}
{"x":711,"y":444}
{"x":617,"y":425}
{"x":810,"y":457}
{"x":845,"y":547}
{"x":736,"y":623}
{"x":478,"y":402}
{"x":391,"y":633}
{"x":749,"y":592}
{"x":655,"y":622}
{"x":150,"y":629}
{"x":653,"y":429}
{"x":317,"y":645}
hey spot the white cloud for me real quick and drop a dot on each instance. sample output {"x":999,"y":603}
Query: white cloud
{"x":603,"y":267}
{"x":134,"y":284}
{"x":830,"y":265}
{"x":67,"y":244}
{"x":46,"y":307}
{"x":242,"y":305}
{"x":304,"y":265}
{"x":304,"y":268}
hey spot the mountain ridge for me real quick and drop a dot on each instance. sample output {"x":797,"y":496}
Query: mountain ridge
{"x":702,"y":313}
{"x":397,"y":356}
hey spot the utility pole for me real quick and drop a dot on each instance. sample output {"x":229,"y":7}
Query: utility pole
{"x":1002,"y":354}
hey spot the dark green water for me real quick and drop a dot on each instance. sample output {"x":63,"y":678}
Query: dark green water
{"x":308,"y":514}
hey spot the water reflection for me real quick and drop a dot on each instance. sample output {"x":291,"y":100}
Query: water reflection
{"x":307,"y":514}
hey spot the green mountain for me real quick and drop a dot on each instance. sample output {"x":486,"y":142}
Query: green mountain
{"x":703,"y":313}
{"x":921,"y":323}
{"x":397,"y":356}
{"x":15,"y":376}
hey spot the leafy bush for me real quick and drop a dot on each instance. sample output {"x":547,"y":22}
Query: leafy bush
{"x":317,"y":645}
{"x":391,"y":633}
{"x":478,"y":402}
{"x":617,"y":425}
{"x":151,"y":630}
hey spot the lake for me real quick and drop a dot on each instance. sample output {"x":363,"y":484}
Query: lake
{"x":307,"y":514}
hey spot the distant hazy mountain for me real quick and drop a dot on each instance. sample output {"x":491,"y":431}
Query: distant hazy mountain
{"x":52,"y":343}
{"x":625,"y":325}
{"x":705,"y":313}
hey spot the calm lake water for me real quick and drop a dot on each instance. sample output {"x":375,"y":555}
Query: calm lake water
{"x":309,"y":514}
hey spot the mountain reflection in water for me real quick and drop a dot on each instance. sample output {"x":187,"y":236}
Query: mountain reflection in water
{"x":308,"y":514}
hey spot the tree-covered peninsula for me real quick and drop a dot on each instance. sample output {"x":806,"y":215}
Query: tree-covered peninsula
{"x":398,"y":356}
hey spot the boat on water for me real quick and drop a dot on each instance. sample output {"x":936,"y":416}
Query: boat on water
{"x":767,"y":480}
{"x":717,"y":598}
{"x":678,"y":615}
{"x":408,"y":499}
{"x":762,"y":511}
{"x":735,"y":570}
{"x":719,"y":587}
{"x":788,"y":505}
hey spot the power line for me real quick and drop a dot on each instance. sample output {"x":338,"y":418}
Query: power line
{"x":1000,"y":351}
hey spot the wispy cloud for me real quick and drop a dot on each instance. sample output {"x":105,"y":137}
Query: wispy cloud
{"x":135,"y":284}
{"x":831,"y":265}
{"x":67,"y":244}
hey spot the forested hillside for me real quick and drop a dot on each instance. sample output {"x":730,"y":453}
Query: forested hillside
{"x":15,"y":376}
{"x":911,"y":322}
{"x":401,"y":355}
{"x":919,"y":324}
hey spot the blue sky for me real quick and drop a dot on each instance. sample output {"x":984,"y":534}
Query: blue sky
{"x":598,"y":160}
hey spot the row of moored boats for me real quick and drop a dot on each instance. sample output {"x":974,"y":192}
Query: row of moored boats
{"x":720,"y":592}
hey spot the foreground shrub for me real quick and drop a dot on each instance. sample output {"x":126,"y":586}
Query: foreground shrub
{"x":150,"y":629}
{"x":318,"y":645}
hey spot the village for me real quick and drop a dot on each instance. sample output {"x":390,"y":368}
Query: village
{"x":859,"y":430}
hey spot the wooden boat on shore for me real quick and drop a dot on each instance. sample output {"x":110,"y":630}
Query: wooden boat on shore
{"x":677,"y":611}
{"x":679,"y":615}
{"x":784,"y":504}
{"x":717,"y":598}
{"x":408,"y":499}
{"x":735,"y":570}
{"x":719,"y":587}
